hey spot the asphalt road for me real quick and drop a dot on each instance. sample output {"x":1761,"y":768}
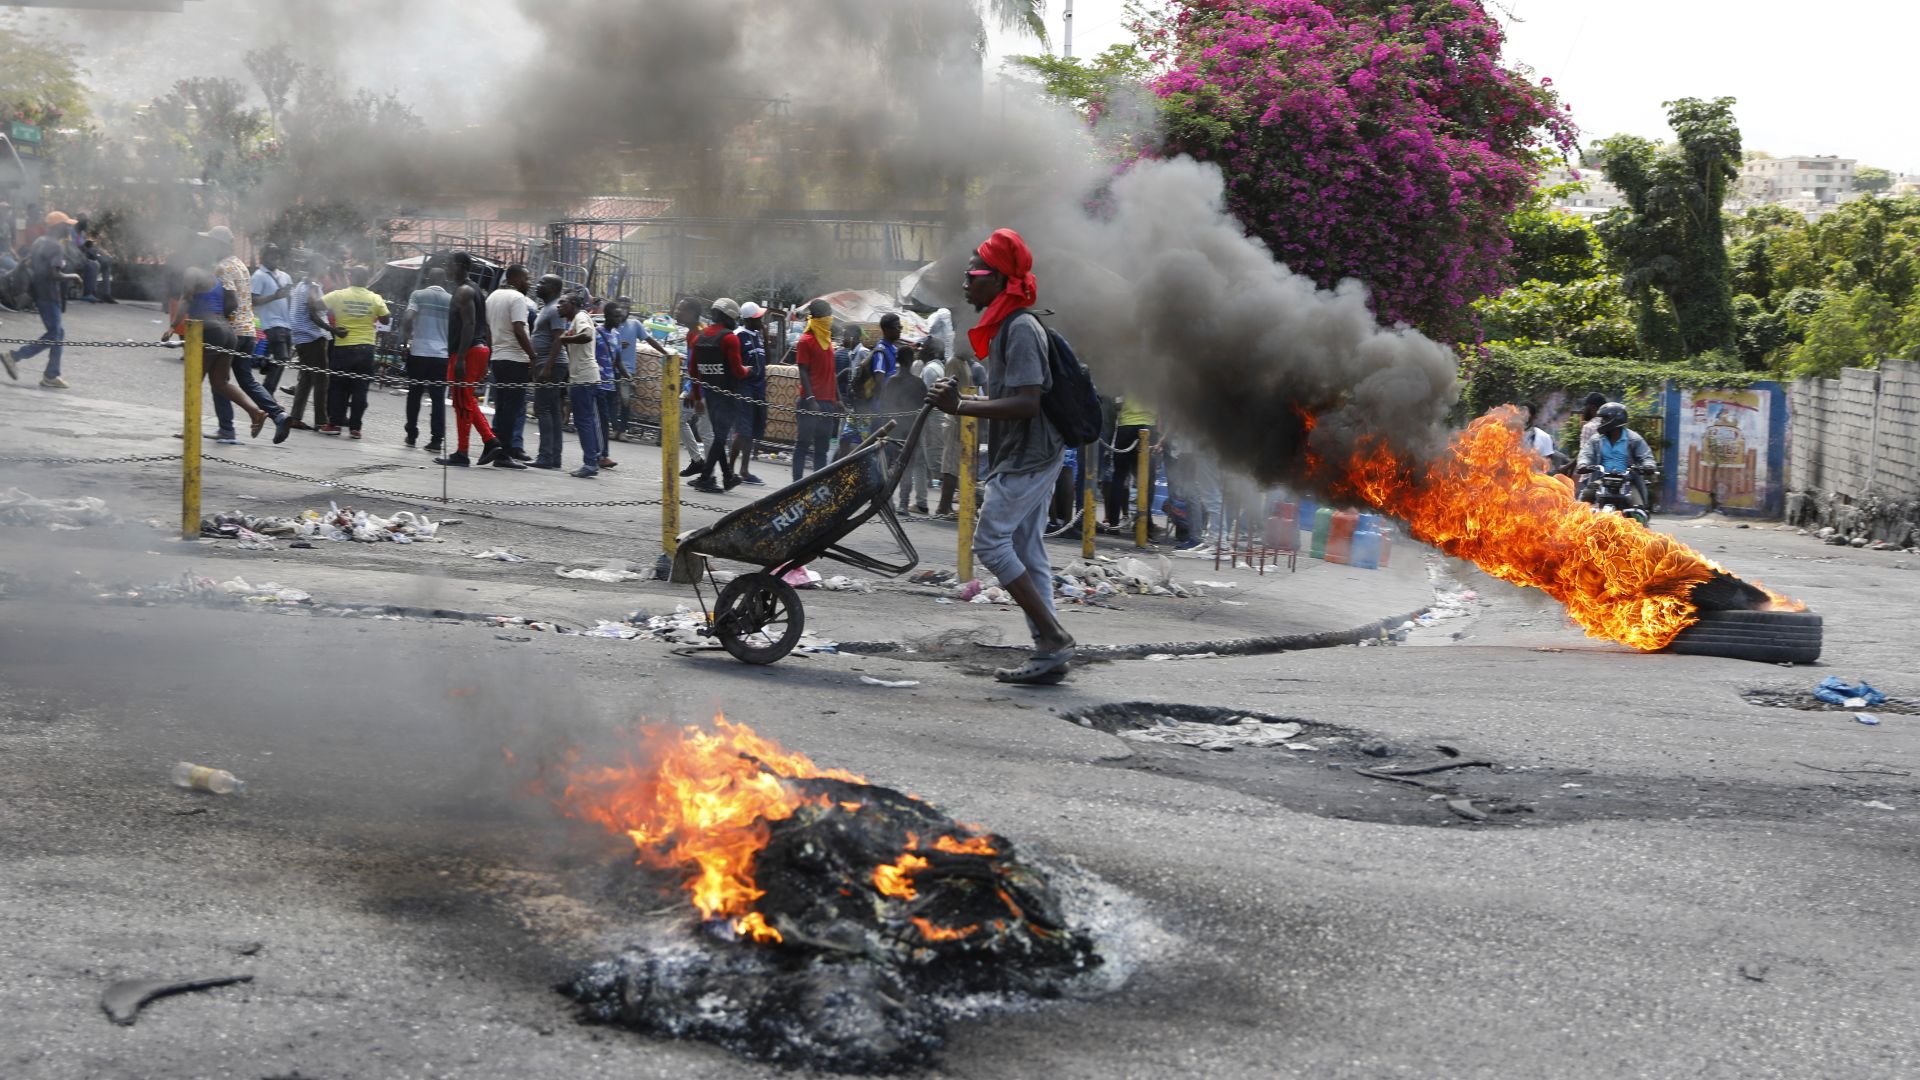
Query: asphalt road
{"x":1694,"y":890}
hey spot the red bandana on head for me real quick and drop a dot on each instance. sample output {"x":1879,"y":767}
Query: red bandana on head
{"x":1005,"y":252}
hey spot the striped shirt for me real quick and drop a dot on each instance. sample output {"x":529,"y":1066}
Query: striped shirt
{"x":304,"y":328}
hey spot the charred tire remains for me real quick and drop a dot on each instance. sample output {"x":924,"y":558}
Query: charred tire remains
{"x":1776,"y":637}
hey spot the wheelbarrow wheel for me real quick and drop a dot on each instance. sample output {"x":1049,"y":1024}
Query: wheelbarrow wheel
{"x":758,"y":618}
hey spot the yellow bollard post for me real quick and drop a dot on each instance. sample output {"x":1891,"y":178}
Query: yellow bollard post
{"x":190,"y":435}
{"x":1089,"y":456}
{"x":670,"y":453}
{"x":969,"y":463}
{"x":1143,"y":490}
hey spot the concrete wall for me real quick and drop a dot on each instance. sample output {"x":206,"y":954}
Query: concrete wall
{"x":1853,"y":460}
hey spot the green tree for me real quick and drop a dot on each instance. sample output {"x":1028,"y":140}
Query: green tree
{"x":1851,"y":329}
{"x":1670,"y":241}
{"x":1088,"y":84}
{"x":39,"y":79}
{"x":1564,"y":294}
{"x":1872,"y":180}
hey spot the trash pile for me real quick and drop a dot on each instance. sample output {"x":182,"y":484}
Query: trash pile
{"x":253,"y":533}
{"x":804,"y":578}
{"x":1079,"y":582}
{"x":341,"y":525}
{"x":61,"y":515}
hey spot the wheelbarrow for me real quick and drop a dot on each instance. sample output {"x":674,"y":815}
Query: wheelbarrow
{"x":758,"y":617}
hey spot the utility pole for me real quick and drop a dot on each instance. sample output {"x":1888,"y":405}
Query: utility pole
{"x":1066,"y":39}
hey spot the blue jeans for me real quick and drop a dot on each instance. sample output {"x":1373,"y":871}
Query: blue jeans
{"x":248,"y":382}
{"x":585,"y":401}
{"x":510,"y":405}
{"x":50,"y":317}
{"x":812,"y":438}
{"x":609,"y":417}
{"x":547,"y":412}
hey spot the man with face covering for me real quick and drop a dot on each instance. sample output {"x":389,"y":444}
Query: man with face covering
{"x":1024,"y":448}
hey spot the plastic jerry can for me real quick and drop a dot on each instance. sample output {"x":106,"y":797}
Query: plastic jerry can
{"x":1322,"y":523}
{"x":1340,"y":536}
{"x":1366,"y":543}
{"x":1283,"y":527}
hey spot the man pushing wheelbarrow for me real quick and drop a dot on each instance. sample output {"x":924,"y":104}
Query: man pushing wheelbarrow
{"x":1038,"y":397}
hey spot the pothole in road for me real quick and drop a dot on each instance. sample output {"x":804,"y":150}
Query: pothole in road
{"x":1347,"y":773}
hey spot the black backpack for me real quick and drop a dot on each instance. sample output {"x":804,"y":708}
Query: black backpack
{"x":1071,"y":404}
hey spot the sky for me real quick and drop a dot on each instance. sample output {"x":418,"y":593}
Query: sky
{"x":1810,"y":78}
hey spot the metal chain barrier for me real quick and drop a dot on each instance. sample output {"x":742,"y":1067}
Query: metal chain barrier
{"x":402,"y":382}
{"x":346,"y":485}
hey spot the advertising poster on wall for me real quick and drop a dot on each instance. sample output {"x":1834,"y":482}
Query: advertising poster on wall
{"x":1723,"y":447}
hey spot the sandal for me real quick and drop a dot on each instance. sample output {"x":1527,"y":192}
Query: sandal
{"x":1041,"y":669}
{"x":259,"y":423}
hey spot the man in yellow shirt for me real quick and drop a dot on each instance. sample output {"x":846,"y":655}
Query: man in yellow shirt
{"x":1132,"y":435}
{"x":355,"y":309}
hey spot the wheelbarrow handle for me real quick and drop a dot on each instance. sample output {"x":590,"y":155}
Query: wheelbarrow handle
{"x":906,"y":448}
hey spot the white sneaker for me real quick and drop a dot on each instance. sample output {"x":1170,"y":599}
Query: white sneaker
{"x":54,"y":382}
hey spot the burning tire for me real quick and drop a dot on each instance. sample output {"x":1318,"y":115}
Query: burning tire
{"x":1774,"y":637}
{"x":758,"y":618}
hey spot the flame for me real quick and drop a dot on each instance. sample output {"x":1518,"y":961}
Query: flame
{"x":1483,"y":501}
{"x":699,"y":800}
{"x":895,"y":879}
{"x":970,"y":845}
{"x":941,"y":933}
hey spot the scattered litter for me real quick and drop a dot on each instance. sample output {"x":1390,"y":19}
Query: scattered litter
{"x":621,"y":631}
{"x":1867,"y":718}
{"x":205,"y":778}
{"x":993,"y":595}
{"x":1183,"y":656}
{"x":1465,"y":808}
{"x":516,"y":638}
{"x":349,"y":524}
{"x":1216,"y":584}
{"x":1876,"y":804}
{"x":842,"y":583}
{"x":61,"y":515}
{"x":124,"y":999}
{"x":1234,"y":603}
{"x":1081,"y":581}
{"x":801,"y":578}
{"x":189,"y":588}
{"x":612,"y":574}
{"x":1837,"y":691}
{"x":891,"y":684}
{"x":502,"y":555}
{"x":933,"y":577}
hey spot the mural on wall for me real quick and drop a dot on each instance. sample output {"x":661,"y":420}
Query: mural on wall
{"x":1723,"y":447}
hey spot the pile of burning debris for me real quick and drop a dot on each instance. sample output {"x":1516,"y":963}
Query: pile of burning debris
{"x":841,"y":924}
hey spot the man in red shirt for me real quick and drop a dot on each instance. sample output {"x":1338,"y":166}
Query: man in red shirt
{"x":819,"y":389}
{"x":718,"y":366}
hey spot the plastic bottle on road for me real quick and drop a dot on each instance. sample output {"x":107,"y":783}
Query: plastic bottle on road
{"x":202,"y":778}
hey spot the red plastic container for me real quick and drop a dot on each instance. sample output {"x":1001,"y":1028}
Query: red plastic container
{"x":1283,"y":527}
{"x":1340,"y":536}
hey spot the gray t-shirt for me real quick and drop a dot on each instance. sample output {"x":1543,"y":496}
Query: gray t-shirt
{"x":545,"y":327}
{"x":1017,"y":358}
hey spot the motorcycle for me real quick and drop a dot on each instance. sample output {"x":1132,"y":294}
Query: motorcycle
{"x":1615,"y":493}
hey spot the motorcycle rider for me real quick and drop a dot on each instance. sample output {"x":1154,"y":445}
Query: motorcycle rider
{"x":1614,"y":448}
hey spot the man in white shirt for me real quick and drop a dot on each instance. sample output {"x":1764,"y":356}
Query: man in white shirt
{"x":272,"y":313}
{"x":583,"y":381}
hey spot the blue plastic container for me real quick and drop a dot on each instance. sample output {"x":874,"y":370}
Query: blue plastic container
{"x":1366,"y":543}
